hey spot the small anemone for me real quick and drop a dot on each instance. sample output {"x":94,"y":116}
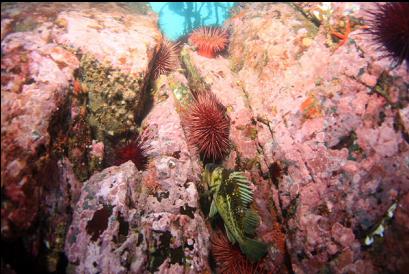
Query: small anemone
{"x":209,"y":40}
{"x":389,"y":25}
{"x":207,"y":126}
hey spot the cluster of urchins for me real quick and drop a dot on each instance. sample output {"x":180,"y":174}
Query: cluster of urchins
{"x":205,"y":121}
{"x":207,"y":129}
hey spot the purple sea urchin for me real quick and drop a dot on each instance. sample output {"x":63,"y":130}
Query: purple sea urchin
{"x":166,"y":59}
{"x":207,"y":126}
{"x":389,"y":25}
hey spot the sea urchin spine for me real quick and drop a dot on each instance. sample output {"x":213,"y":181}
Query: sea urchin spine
{"x":166,"y":58}
{"x":389,"y":25}
{"x":209,"y":40}
{"x":229,"y":258}
{"x":207,"y":126}
{"x":134,"y":151}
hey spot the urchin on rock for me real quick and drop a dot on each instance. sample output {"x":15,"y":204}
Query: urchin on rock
{"x":207,"y":126}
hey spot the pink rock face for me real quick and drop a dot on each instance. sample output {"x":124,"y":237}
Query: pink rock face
{"x":34,"y":87}
{"x":320,"y":128}
{"x":173,"y":206}
{"x":161,"y":203}
{"x":127,"y":46}
{"x":244,"y":155}
{"x":37,"y":77}
{"x":344,"y":163}
{"x":103,"y":223}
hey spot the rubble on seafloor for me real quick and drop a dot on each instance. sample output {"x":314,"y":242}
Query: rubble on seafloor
{"x":319,"y":123}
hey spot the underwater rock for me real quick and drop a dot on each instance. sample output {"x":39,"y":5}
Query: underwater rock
{"x":342,"y":168}
{"x":104,"y":235}
{"x":117,"y":48}
{"x":244,"y":154}
{"x":59,"y":199}
{"x":171,"y":208}
{"x":45,"y":47}
{"x":34,"y":88}
{"x":158,"y":207}
{"x":319,"y":124}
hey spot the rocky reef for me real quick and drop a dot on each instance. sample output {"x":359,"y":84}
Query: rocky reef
{"x":318,"y":123}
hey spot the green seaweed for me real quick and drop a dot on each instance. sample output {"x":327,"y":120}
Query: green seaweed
{"x":196,"y":82}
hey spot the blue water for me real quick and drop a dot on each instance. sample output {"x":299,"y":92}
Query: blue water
{"x":180,"y":18}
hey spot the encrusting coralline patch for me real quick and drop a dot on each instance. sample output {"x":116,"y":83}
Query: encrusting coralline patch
{"x":57,"y":102}
{"x":330,"y":118}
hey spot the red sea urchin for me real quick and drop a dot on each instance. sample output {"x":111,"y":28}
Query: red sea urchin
{"x":207,"y":126}
{"x":134,"y":151}
{"x":389,"y":25}
{"x":166,"y":58}
{"x":209,"y":40}
{"x":229,"y":258}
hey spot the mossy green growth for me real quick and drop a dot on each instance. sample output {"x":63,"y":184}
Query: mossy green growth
{"x":383,"y":84}
{"x":114,"y":98}
{"x":182,"y":94}
{"x":236,"y":64}
{"x":196,"y":82}
{"x":307,"y":21}
{"x":27,"y":24}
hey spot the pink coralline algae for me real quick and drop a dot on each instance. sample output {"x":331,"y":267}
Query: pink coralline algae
{"x":97,"y":149}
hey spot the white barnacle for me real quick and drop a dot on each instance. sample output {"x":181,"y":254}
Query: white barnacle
{"x":392,"y":209}
{"x":379,"y":230}
{"x":368,"y":240}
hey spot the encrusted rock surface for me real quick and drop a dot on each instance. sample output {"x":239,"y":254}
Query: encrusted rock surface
{"x":104,"y":235}
{"x":245,"y":153}
{"x":328,"y":120}
{"x":171,"y":206}
{"x":47,"y":114}
{"x":165,"y":230}
{"x":36,"y":77}
{"x":319,"y":125}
